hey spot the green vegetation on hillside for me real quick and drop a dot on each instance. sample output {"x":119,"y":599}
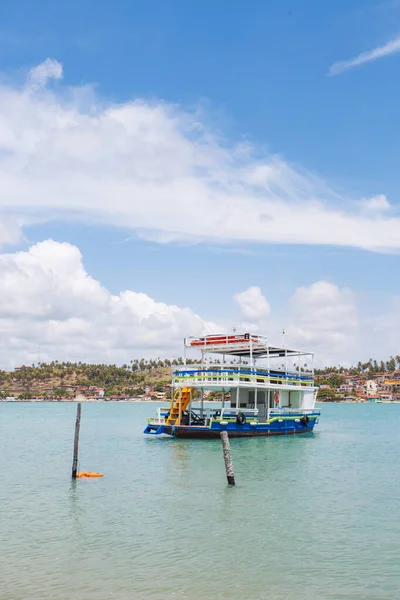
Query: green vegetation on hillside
{"x":59,"y":379}
{"x":55,"y":377}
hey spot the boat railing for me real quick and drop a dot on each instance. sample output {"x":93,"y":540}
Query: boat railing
{"x":226,"y":340}
{"x":161,"y":416}
{"x":207,"y":412}
{"x":284,"y":411}
{"x":226,"y":375}
{"x":248,"y":412}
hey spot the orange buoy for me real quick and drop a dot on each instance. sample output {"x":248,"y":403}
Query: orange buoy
{"x":89,"y":474}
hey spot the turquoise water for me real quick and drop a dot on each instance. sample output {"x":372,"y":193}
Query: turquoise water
{"x":311,"y":517}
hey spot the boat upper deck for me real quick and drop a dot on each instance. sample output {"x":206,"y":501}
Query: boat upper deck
{"x":248,"y":360}
{"x":244,"y":345}
{"x":231,"y":376}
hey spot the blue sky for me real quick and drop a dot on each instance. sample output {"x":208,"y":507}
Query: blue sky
{"x":252,"y":81}
{"x":260,"y":67}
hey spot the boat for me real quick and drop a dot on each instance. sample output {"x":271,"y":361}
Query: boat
{"x":264,"y":390}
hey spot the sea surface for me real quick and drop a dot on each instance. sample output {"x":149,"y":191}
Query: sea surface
{"x":311,"y":518}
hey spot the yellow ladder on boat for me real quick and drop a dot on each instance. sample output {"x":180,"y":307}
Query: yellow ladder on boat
{"x":182,"y":398}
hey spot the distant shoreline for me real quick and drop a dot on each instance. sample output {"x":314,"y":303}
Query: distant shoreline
{"x":165,"y":401}
{"x":76,"y":400}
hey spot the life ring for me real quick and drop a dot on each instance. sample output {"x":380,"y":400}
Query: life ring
{"x":240,"y":419}
{"x":276,"y":397}
{"x":305,"y":420}
{"x":88,"y":474}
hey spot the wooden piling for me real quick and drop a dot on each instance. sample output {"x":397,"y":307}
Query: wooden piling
{"x":76,"y":440}
{"x":227,"y":458}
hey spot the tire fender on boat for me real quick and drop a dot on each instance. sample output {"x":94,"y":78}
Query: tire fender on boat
{"x":305,"y":419}
{"x":240,"y":419}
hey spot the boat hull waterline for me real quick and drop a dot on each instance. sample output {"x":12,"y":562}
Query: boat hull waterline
{"x":277,"y":427}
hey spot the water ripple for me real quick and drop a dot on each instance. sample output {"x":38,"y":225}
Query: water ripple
{"x":312,"y":518}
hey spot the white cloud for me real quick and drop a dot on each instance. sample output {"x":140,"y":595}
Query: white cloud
{"x":391,"y":47}
{"x":50,"y":304}
{"x":47,"y":299}
{"x":376,"y":204}
{"x":10,"y":231}
{"x":320,"y":318}
{"x":161,"y":172}
{"x":381,"y":331}
{"x":48,"y":69}
{"x":253,"y":303}
{"x":324,"y":319}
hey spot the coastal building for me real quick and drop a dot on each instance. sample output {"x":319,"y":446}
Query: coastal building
{"x":374,"y":398}
{"x":157,"y":395}
{"x":386,"y":396}
{"x":349,"y":399}
{"x":346,"y":387}
{"x":372,"y":387}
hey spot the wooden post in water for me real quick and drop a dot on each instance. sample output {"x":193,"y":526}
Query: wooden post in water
{"x":227,"y":458}
{"x":76,"y":440}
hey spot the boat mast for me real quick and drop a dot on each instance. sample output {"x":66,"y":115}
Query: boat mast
{"x":238,"y":385}
{"x":253,"y":371}
{"x":202,"y":388}
{"x":269,"y":381}
{"x":223,"y":389}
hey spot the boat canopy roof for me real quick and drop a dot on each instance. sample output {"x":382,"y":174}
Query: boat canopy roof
{"x":245,"y":344}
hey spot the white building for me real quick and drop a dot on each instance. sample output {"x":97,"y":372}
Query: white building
{"x":372,"y":386}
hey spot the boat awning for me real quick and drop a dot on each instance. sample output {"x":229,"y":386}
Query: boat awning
{"x":272,"y":351}
{"x":245,"y":345}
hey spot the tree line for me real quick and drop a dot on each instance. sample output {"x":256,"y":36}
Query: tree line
{"x":133,"y":377}
{"x":370,"y":367}
{"x":130,"y":379}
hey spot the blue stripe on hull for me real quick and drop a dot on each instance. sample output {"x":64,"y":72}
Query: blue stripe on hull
{"x":278,"y":427}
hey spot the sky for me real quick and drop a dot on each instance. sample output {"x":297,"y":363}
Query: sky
{"x":173,"y":168}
